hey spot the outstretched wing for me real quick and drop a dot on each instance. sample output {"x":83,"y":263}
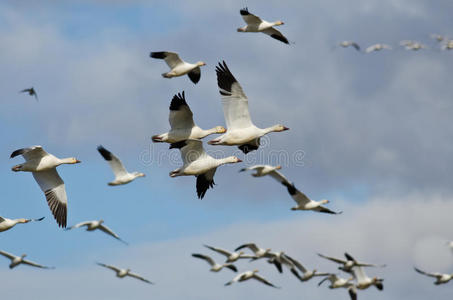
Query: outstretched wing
{"x":195,"y":75}
{"x":8,"y":255}
{"x":263,"y":280}
{"x":191,"y":150}
{"x":110,"y":232}
{"x":81,"y":224}
{"x":109,"y":267}
{"x":279,"y":177}
{"x":219,"y":250}
{"x":323,"y":209}
{"x":435,"y":275}
{"x":181,"y":117}
{"x":274,"y":33}
{"x":139,"y":277}
{"x":251,"y":246}
{"x":205,"y":181}
{"x":114,"y":162}
{"x":171,"y":58}
{"x":30,"y":153}
{"x":54,"y":189}
{"x":235,"y":102}
{"x":300,"y":198}
{"x":337,"y":260}
{"x":208,"y":259}
{"x":33,"y":264}
{"x":249,"y":18}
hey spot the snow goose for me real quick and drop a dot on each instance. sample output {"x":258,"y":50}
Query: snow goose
{"x":240,"y":129}
{"x":250,"y":275}
{"x":305,"y":203}
{"x":412,"y":45}
{"x":43,"y":167}
{"x":306,"y":274}
{"x":255,"y":24}
{"x":338,"y":282}
{"x":215,"y":267}
{"x":348,"y":263}
{"x":280,"y":259}
{"x":182,"y":124}
{"x":121,"y":273}
{"x":122,"y":176}
{"x":440,"y":278}
{"x":6,"y":224}
{"x":94,"y":225}
{"x":346,"y":44}
{"x":31,"y":91}
{"x":259,"y":252}
{"x":363,"y":281}
{"x":231,"y":256}
{"x":377,"y":47}
{"x":178,"y":66}
{"x":198,"y":163}
{"x":17,"y":260}
{"x":263,"y":170}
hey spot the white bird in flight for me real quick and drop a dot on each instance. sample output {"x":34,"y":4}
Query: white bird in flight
{"x":348,"y":263}
{"x":250,"y":275}
{"x":338,"y":282}
{"x":182,"y":125}
{"x":346,"y":44}
{"x":17,"y":260}
{"x":121,"y":273}
{"x":256,"y":24}
{"x":97,"y":225}
{"x":231,"y":256}
{"x":263,"y":170}
{"x":215,"y":267}
{"x":198,"y":163}
{"x":363,"y":281}
{"x":43,"y":167}
{"x":440,"y":278}
{"x":240,"y":129}
{"x":377,"y":47}
{"x":178,"y":66}
{"x":122,"y":176}
{"x":6,"y":224}
{"x":306,"y":274}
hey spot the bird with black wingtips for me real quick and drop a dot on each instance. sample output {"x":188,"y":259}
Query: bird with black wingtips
{"x":215,"y":267}
{"x":31,"y":91}
{"x":241,"y":131}
{"x":182,"y":125}
{"x":440,"y":277}
{"x":6,"y":224}
{"x":346,"y":44}
{"x":43,"y":166}
{"x":348,"y":263}
{"x":231,"y":256}
{"x":178,"y":66}
{"x":196,"y":162}
{"x":363,"y":281}
{"x":338,"y":282}
{"x":97,"y":225}
{"x":250,"y":275}
{"x":306,"y":274}
{"x":122,"y":176}
{"x":121,"y":273}
{"x":17,"y":260}
{"x":256,"y":24}
{"x":263,"y":170}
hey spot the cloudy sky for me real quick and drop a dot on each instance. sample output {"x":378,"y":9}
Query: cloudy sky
{"x":371,"y":133}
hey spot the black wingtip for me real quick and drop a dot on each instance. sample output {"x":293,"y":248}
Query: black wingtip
{"x":159,"y":55}
{"x":244,"y":11}
{"x":106,"y":154}
{"x":178,"y":101}
{"x":280,"y":38}
{"x":248,"y":148}
{"x":203,"y":184}
{"x":177,"y":145}
{"x":17,"y":152}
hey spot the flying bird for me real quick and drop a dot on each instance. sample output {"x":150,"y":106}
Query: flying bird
{"x":348,"y":263}
{"x":17,"y":260}
{"x":437,"y":37}
{"x":377,"y":47}
{"x":198,"y":163}
{"x":31,"y":91}
{"x":240,"y":129}
{"x":121,"y":273}
{"x":215,"y":267}
{"x":122,"y":176}
{"x":412,"y":45}
{"x":6,"y":224}
{"x":338,"y":282}
{"x":306,"y":274}
{"x":178,"y":66}
{"x":255,"y":24}
{"x":259,"y":252}
{"x":448,"y":45}
{"x":250,"y":275}
{"x":440,"y":278}
{"x":231,"y":256}
{"x":346,"y":44}
{"x":305,"y":203}
{"x":363,"y":281}
{"x":43,"y":167}
{"x":263,"y":170}
{"x":94,"y":225}
{"x":182,"y":124}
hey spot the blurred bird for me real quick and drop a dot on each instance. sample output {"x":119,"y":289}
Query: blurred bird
{"x":346,"y":265}
{"x":346,"y":44}
{"x":17,"y":260}
{"x":31,"y":91}
{"x":6,"y":224}
{"x":93,"y":225}
{"x":231,"y":256}
{"x":215,"y":267}
{"x":121,"y":273}
{"x":440,"y":278}
{"x":250,"y":275}
{"x":377,"y":47}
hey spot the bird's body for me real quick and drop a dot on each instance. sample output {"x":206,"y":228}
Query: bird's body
{"x":215,"y":267}
{"x":97,"y":225}
{"x":250,"y":275}
{"x":363,"y":281}
{"x":43,"y":167}
{"x":338,"y":282}
{"x":178,"y":66}
{"x":182,"y":124}
{"x":6,"y":224}
{"x":440,"y":278}
{"x":305,"y":203}
{"x":231,"y":256}
{"x":240,"y":129}
{"x":256,"y":24}
{"x":412,"y":45}
{"x":122,"y":176}
{"x":17,"y":260}
{"x":121,"y":273}
{"x":198,"y":163}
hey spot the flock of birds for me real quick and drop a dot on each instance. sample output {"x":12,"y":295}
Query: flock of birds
{"x":186,"y":136}
{"x":443,"y":43}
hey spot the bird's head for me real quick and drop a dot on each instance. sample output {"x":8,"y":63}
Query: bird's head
{"x":220,"y":129}
{"x":241,"y":29}
{"x":74,"y":160}
{"x":101,"y":221}
{"x":279,"y":128}
{"x":278,"y":167}
{"x":324,"y":201}
{"x":201,"y":63}
{"x":138,"y":174}
{"x":23,"y":255}
{"x":255,"y":271}
{"x":23,"y":220}
{"x":278,"y":23}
